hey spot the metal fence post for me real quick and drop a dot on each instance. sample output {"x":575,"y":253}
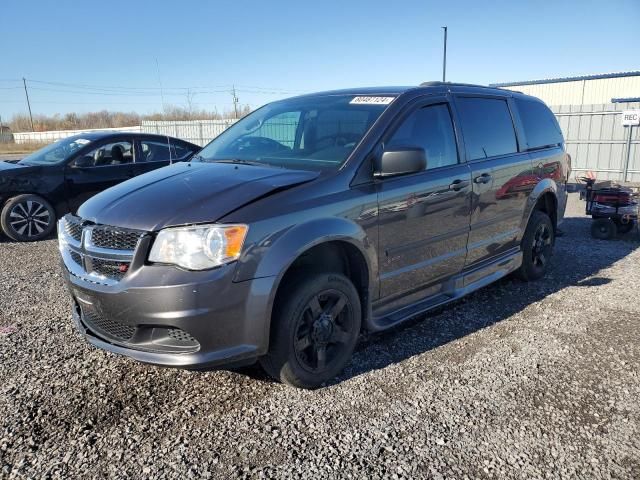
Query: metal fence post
{"x":626,"y":162}
{"x":201,"y":136}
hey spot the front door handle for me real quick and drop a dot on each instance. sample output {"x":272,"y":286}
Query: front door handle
{"x":458,"y":185}
{"x":484,"y":178}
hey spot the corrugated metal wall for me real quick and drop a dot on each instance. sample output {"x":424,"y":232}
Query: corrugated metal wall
{"x":597,"y":141}
{"x":582,"y":92}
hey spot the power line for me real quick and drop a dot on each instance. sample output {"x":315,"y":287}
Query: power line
{"x":123,"y":94}
{"x":246,"y":88}
{"x":160,"y":82}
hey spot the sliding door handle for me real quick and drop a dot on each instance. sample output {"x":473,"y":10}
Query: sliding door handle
{"x":458,"y":185}
{"x":484,"y":178}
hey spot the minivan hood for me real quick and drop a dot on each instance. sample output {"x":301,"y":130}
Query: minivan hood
{"x":187,"y":193}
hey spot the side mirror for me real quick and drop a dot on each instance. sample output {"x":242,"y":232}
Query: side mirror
{"x":400,"y":161}
{"x":83,"y":162}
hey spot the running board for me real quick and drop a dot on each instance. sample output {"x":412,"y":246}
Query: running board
{"x":455,"y":288}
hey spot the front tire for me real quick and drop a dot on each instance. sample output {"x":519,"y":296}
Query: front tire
{"x":537,"y":247}
{"x":314,"y":330}
{"x":27,"y":218}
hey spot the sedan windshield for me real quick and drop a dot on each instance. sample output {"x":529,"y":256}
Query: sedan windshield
{"x":57,"y":152}
{"x":311,"y":133}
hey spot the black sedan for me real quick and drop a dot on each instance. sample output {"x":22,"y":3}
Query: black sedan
{"x":57,"y":179}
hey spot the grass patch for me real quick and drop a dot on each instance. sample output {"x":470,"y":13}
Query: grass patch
{"x":20,"y":147}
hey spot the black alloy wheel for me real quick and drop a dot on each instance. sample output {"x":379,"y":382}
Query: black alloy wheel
{"x":314,"y":329}
{"x":537,"y":247}
{"x":323,"y":331}
{"x":542,"y":245}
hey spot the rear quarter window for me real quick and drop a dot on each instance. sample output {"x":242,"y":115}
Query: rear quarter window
{"x":540,"y":125}
{"x":487,"y":127}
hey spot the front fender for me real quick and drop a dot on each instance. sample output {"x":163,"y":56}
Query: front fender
{"x":272,"y":255}
{"x":269,"y":259}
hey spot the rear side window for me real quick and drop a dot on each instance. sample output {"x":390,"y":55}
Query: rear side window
{"x":540,"y":125}
{"x":154,"y":151}
{"x":487,"y":127}
{"x":430,"y":128}
{"x":180,"y":150}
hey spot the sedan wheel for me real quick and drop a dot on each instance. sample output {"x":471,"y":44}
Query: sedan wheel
{"x":27,"y":218}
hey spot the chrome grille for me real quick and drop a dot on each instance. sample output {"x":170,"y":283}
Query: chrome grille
{"x":108,"y":237}
{"x":109,"y":268}
{"x":97,"y":253}
{"x":73,"y":228}
{"x":76,"y":257}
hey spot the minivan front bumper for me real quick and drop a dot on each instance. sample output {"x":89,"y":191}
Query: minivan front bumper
{"x":166,"y":316}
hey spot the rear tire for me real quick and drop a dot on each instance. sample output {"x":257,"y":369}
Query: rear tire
{"x":537,"y":247}
{"x":603,"y":229}
{"x":314,"y":330}
{"x":27,"y":218}
{"x":623,"y":228}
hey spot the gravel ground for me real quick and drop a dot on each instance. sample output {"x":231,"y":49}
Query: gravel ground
{"x":516,"y":381}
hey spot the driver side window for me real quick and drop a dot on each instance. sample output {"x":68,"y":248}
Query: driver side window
{"x":114,"y":153}
{"x":432,"y":129}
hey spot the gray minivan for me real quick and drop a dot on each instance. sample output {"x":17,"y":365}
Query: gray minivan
{"x":314,"y":219}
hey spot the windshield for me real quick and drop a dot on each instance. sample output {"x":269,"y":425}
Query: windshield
{"x":57,"y":152}
{"x":310,"y":133}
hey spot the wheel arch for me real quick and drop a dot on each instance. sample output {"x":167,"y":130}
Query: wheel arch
{"x":320,"y":245}
{"x":544,"y":197}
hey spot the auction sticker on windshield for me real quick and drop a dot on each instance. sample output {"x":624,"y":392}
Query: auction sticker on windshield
{"x":372,"y":100}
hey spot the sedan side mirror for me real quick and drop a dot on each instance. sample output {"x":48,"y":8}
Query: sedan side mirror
{"x":84,"y":161}
{"x":400,"y":161}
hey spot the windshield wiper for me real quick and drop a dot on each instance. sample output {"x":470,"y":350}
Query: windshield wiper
{"x":240,"y":161}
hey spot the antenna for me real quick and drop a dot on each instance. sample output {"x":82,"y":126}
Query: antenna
{"x":444,"y":58}
{"x":160,"y":83}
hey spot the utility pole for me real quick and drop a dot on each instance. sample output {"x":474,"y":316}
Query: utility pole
{"x":24,"y":82}
{"x":235,"y":101}
{"x":444,"y":58}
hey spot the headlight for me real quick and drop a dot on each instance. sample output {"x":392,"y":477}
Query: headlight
{"x":199,"y":247}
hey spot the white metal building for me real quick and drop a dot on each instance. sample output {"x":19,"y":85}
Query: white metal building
{"x":586,"y":90}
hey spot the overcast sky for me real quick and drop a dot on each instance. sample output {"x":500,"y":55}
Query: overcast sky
{"x":102,"y":54}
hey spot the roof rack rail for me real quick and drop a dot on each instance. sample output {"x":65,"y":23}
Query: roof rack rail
{"x":432,"y":84}
{"x":453,"y":84}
